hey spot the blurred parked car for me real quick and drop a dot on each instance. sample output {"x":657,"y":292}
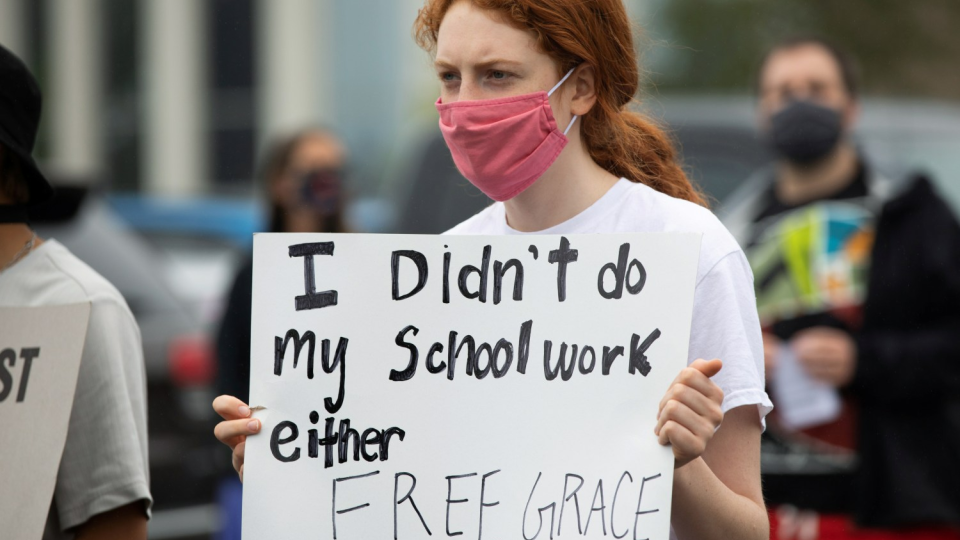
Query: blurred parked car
{"x":199,"y":244}
{"x":185,"y":460}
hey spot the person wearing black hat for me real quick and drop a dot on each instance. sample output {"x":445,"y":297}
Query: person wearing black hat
{"x":102,"y":488}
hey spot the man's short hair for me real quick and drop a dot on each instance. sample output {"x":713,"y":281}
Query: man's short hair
{"x":846,"y":62}
{"x":12,"y":185}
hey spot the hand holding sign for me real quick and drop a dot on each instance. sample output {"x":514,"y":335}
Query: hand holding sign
{"x":690,"y":412}
{"x":236,"y":426}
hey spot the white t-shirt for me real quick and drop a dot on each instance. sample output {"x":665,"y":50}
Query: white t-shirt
{"x":104,"y":464}
{"x":725,"y":323}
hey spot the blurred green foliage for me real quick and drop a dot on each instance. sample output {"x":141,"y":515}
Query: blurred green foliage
{"x":904,"y":47}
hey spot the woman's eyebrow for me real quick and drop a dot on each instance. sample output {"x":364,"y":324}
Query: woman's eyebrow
{"x":442,"y":64}
{"x":497,"y":62}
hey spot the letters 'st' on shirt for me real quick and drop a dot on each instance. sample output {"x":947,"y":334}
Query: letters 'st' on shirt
{"x":104,"y":464}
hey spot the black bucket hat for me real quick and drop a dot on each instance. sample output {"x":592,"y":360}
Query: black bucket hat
{"x":19,"y":119}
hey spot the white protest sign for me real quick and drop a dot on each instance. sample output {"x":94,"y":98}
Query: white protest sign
{"x":40,"y":350}
{"x":485,"y":387}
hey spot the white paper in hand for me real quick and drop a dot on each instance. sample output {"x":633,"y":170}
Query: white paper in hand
{"x":802,"y":401}
{"x":40,"y":350}
{"x":501,"y":387}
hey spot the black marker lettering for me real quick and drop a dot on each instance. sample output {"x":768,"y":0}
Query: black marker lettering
{"x":343,"y":446}
{"x":576,"y":501}
{"x":499,"y":269}
{"x":523,"y":348}
{"x":446,"y":277}
{"x":417,"y":259}
{"x":523,"y":526}
{"x":328,"y":442}
{"x":479,"y":372}
{"x":313,"y":440}
{"x":371,"y":436}
{"x":408,"y":497}
{"x":594,"y":508}
{"x":465,"y":272}
{"x":638,"y":360}
{"x":641,"y":279}
{"x":618,"y":274}
{"x":483,"y":489}
{"x":435,"y":368}
{"x":385,"y":441}
{"x":450,"y":501}
{"x":333,"y":507}
{"x":312,"y":299}
{"x":276,"y":441}
{"x":640,"y":500}
{"x":613,"y":506}
{"x":339,"y":360}
{"x":621,"y":275}
{"x":411,"y":368}
{"x":502,"y":345}
{"x":562,"y":256}
{"x":609,"y":355}
{"x":280,"y":349}
{"x":585,"y":368}
{"x":453,"y":352}
{"x":563,"y":368}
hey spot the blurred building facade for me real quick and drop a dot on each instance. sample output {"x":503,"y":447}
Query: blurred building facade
{"x":175,"y":97}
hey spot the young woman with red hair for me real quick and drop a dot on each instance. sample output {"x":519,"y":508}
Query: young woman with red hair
{"x":574,"y":160}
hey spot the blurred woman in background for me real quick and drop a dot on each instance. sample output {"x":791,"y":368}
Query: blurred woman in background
{"x":302,"y":175}
{"x":303,"y":179}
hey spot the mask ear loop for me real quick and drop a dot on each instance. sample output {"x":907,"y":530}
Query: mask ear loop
{"x":563,"y":80}
{"x":554,"y":89}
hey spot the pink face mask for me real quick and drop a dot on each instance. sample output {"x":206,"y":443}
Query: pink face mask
{"x":503,"y":145}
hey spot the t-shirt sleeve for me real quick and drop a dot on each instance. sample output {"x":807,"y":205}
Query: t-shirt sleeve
{"x":104,"y":463}
{"x":726,"y":326}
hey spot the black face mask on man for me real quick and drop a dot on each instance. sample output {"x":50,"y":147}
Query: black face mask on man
{"x":804,"y":132}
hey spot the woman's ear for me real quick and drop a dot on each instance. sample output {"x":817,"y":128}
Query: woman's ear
{"x":585,"y":89}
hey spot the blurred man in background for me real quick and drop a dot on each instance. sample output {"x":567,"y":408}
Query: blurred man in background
{"x":102,"y":488}
{"x":858,"y":290}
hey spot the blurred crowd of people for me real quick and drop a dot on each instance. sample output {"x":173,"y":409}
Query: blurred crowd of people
{"x":856,"y":283}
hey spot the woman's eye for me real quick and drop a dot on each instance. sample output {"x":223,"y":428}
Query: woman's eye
{"x":448,"y":77}
{"x":498,"y":75}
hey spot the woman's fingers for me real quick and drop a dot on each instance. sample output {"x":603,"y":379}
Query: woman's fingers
{"x":238,"y":458}
{"x":687,"y":446}
{"x":708,"y":367}
{"x":700,"y":425}
{"x":695,"y":400}
{"x":230,"y":408}
{"x":697,"y":376}
{"x":234,"y":432}
{"x":690,"y":411}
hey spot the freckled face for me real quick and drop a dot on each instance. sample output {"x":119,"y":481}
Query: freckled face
{"x":479,"y":56}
